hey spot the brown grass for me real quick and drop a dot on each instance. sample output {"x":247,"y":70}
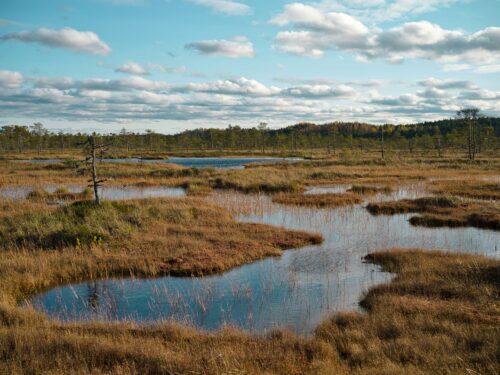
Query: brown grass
{"x":318,"y":200}
{"x":60,"y":194}
{"x":369,"y":190}
{"x":288,"y":178}
{"x":468,"y":189}
{"x":442,"y":211}
{"x":439,"y":315}
{"x":193,"y":190}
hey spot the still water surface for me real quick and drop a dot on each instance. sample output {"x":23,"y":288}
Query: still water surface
{"x":220,"y":163}
{"x":106,"y":192}
{"x":295,"y":291}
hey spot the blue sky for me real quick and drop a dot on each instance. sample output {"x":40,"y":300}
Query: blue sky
{"x":170,"y":65}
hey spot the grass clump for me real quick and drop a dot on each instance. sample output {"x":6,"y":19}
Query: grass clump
{"x":60,"y":194}
{"x":197,"y":190}
{"x":79,"y":224}
{"x":368,"y":190}
{"x":38,"y":194}
{"x":468,"y":189}
{"x":442,"y":211}
{"x":258,"y":187}
{"x":318,"y":200}
{"x":426,"y":204}
{"x":178,"y":172}
{"x":438,"y":316}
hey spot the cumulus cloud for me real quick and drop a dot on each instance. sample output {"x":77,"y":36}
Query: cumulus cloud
{"x":229,"y":7}
{"x":374,"y":11}
{"x":315,"y":32}
{"x":485,"y":69}
{"x":99,"y":84}
{"x":480,"y":95}
{"x":447,"y":84}
{"x":318,"y":91}
{"x":10,"y":79}
{"x":455,"y":67}
{"x":401,"y":100}
{"x":241,"y":86}
{"x":66,"y":38}
{"x":132,"y":68}
{"x":239,"y":100}
{"x":236,"y":47}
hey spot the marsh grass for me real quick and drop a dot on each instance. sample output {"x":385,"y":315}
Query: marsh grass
{"x":370,"y":190}
{"x":439,"y":315}
{"x":318,"y":200}
{"x":442,"y":211}
{"x":468,"y":189}
{"x":60,"y":194}
{"x":277,"y":178}
{"x":148,"y":237}
{"x":195,"y":190}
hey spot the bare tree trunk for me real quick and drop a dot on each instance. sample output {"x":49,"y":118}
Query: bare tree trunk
{"x":94,"y":169}
{"x":470,"y":140}
{"x":382,"y":142}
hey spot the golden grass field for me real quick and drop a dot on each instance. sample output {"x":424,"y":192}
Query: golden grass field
{"x":439,"y":315}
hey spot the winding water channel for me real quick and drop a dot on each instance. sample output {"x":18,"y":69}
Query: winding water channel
{"x":294,"y":291}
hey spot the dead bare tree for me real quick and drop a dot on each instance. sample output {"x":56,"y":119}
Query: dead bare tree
{"x":92,"y":147}
{"x":470,"y":117}
{"x":382,"y":150}
{"x":262,"y":129}
{"x":438,"y":139}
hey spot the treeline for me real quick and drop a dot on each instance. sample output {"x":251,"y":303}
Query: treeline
{"x":443,"y":134}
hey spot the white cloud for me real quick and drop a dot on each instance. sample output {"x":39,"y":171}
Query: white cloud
{"x":237,"y":101}
{"x":317,"y":91}
{"x":132,"y":68}
{"x":447,"y":84}
{"x":229,"y":7}
{"x":455,"y":67}
{"x":236,"y":47}
{"x":241,"y":86}
{"x":10,"y":79}
{"x":480,"y":95}
{"x":315,"y":32}
{"x":66,"y":38}
{"x":375,"y":11}
{"x":485,"y":69}
{"x":99,"y":84}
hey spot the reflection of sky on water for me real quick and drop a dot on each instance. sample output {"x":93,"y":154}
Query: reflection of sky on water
{"x":296,"y":290}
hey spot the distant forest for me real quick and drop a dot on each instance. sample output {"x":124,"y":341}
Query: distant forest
{"x":443,"y":134}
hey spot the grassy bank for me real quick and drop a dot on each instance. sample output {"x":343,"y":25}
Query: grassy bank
{"x":469,"y":189}
{"x":442,"y":211}
{"x":439,"y":315}
{"x":44,"y":247}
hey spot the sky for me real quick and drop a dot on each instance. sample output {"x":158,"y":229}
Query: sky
{"x":172,"y":65}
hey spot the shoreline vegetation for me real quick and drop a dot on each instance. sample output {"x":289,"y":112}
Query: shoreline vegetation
{"x":439,"y":314}
{"x":442,"y":211}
